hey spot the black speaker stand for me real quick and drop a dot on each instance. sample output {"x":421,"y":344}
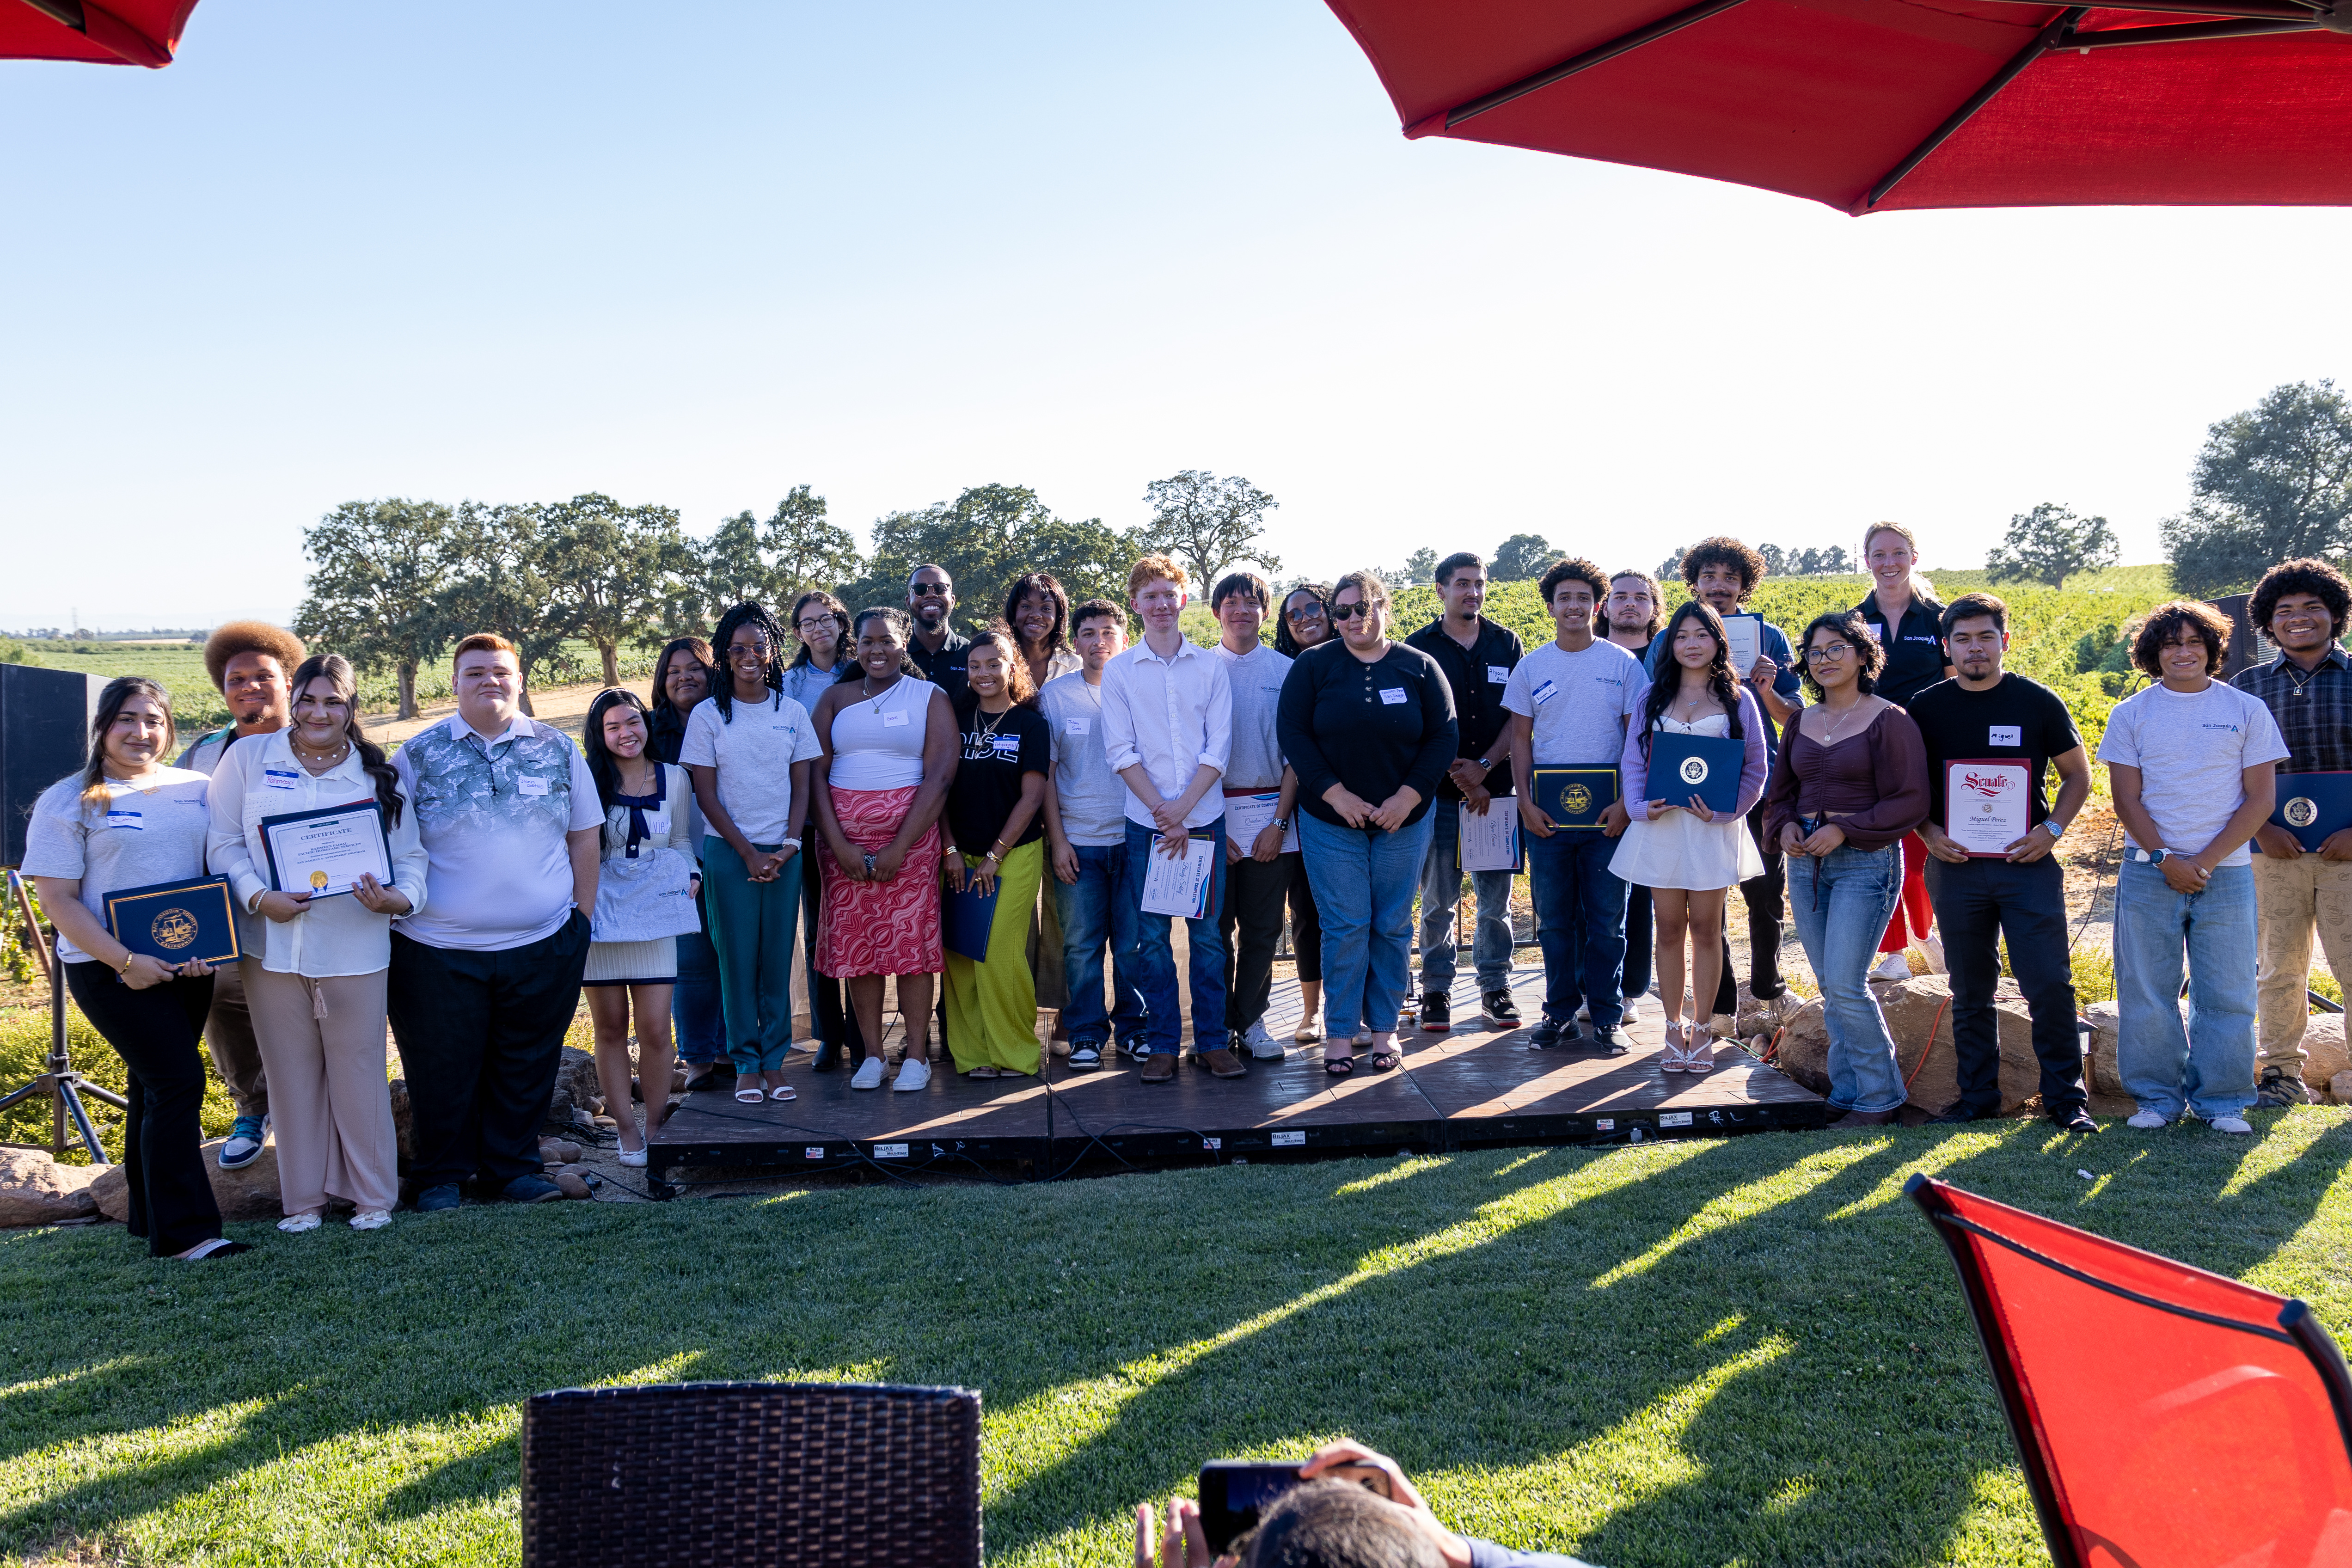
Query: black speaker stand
{"x":64,"y":1086}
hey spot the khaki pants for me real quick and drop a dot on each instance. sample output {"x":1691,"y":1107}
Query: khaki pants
{"x":2290,"y":897}
{"x":324,"y":1042}
{"x":228,"y":1036}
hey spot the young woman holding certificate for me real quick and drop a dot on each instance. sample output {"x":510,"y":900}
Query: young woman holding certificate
{"x":314,"y":973}
{"x":128,"y":821}
{"x":995,"y":832}
{"x":1688,"y":856}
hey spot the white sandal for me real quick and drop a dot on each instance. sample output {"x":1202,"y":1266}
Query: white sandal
{"x":295,"y":1223}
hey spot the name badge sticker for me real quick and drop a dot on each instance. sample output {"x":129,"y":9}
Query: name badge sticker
{"x":893,"y":720}
{"x":1546,"y":692}
{"x":279,"y":778}
{"x":1391,"y":695}
{"x":531,"y":785}
{"x":1076,"y":724}
{"x":2005,"y":735}
{"x":1497,"y":676}
{"x":135,"y":822}
{"x":1007,"y":746}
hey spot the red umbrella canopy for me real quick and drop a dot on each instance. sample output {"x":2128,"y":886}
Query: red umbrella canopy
{"x":1872,"y":105}
{"x":119,"y":33}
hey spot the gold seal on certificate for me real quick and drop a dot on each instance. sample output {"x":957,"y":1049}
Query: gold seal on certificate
{"x":324,"y":853}
{"x":1985,"y":805}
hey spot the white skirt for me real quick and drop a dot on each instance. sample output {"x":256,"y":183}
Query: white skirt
{"x":1681,"y":851}
{"x":650,"y":963}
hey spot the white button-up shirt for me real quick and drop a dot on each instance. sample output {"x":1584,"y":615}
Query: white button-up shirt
{"x":1173,"y":716}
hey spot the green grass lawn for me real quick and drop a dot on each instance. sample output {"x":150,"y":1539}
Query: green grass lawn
{"x":1747,"y":1351}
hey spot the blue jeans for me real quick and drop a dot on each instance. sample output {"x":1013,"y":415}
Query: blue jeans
{"x":1155,"y":954}
{"x":694,"y":1013}
{"x":2212,"y":1060}
{"x":1094,"y":910}
{"x":1363,"y":888}
{"x":1441,"y":892}
{"x":1841,"y":902}
{"x":1580,"y":924}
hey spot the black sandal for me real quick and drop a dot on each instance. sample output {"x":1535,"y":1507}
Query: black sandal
{"x":1338,"y":1067}
{"x":1386,"y":1059}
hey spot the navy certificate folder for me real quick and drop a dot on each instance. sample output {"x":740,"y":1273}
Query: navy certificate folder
{"x":1574,"y":798}
{"x":1706,"y":766}
{"x":2313,"y":806}
{"x":967,"y":917}
{"x":176,"y":922}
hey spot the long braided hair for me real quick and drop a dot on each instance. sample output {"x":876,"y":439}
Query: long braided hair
{"x":738,"y":616}
{"x":1663,"y":690}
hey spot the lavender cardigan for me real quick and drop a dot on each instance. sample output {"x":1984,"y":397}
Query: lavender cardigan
{"x":1634,"y":768}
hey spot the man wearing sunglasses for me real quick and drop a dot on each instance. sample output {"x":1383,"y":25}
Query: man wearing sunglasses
{"x":937,"y":652}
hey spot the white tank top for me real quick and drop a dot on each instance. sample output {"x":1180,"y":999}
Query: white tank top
{"x":877,"y":742}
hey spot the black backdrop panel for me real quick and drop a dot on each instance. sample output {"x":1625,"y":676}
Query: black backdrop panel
{"x":44,"y":735}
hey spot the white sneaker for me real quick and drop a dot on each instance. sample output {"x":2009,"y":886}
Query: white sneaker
{"x":1632,"y":1011}
{"x":869,"y":1072}
{"x":2147,"y":1121}
{"x":1894,"y":966}
{"x":1583,"y":1013}
{"x":2236,"y":1125}
{"x":1262,"y":1045}
{"x":370,"y":1220}
{"x":912,"y":1075}
{"x":295,"y":1223}
{"x":1933,"y":946}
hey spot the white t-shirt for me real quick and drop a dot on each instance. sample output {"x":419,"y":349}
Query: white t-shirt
{"x":149,"y":833}
{"x":1578,"y":701}
{"x":494,"y":818}
{"x":754,"y":753}
{"x":2197,"y":746}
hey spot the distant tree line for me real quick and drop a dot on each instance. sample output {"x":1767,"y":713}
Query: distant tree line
{"x":394,"y":583}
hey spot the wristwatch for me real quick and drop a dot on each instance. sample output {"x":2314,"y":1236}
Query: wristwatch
{"x":2057,"y":828}
{"x":1283,"y":823}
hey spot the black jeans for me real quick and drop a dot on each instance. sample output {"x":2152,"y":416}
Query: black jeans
{"x":1641,"y":941}
{"x":1978,"y":905}
{"x":481,"y":1035}
{"x":156,"y":1032}
{"x":1306,"y":921}
{"x":1765,"y":896}
{"x":1253,"y":895}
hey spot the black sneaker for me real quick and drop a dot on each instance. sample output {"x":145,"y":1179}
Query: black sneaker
{"x":2077,"y":1119}
{"x":438,"y":1200}
{"x":1613,"y":1041}
{"x":1436,"y":1012}
{"x":1548,"y":1035}
{"x":529,"y":1189}
{"x":2275,"y":1091}
{"x":1497,"y":1011}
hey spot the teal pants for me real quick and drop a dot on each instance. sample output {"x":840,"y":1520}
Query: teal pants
{"x":751,"y":928}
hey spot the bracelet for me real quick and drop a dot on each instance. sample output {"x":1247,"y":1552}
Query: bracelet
{"x":123,"y":972}
{"x":946,"y":850}
{"x":793,"y":842}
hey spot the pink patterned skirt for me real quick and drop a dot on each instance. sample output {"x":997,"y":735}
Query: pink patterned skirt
{"x":880,"y":928}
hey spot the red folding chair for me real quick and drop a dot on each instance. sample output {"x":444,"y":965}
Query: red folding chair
{"x":2167,"y":1417}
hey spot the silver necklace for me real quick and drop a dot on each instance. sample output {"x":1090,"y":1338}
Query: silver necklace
{"x":865,"y":690}
{"x":1830,"y":739}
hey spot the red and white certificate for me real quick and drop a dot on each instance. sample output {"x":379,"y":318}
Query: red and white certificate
{"x":1986,"y":802}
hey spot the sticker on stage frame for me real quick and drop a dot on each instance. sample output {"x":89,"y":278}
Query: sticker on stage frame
{"x":1288,"y":1140}
{"x":889,"y":1150}
{"x":1212,"y":1142}
{"x":1673,"y":1119}
{"x":814,"y":1152}
{"x":1604,"y":1124}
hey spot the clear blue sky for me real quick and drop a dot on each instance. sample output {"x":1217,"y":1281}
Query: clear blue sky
{"x":698,"y":255}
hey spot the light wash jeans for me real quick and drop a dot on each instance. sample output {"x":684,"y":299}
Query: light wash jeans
{"x":1841,"y":902}
{"x":1363,"y":888}
{"x":1441,"y":894}
{"x":2211,"y":1062}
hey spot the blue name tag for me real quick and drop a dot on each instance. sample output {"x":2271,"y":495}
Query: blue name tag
{"x":279,"y":778}
{"x":135,"y":821}
{"x":1546,"y":692}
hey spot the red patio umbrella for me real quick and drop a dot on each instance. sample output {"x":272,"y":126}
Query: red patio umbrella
{"x":1872,"y":105}
{"x":119,"y":33}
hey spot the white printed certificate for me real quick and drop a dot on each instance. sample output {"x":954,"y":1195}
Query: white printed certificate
{"x":1985,"y":805}
{"x":1491,"y":842}
{"x":1247,"y":816}
{"x":1180,"y":886}
{"x":1745,"y":635}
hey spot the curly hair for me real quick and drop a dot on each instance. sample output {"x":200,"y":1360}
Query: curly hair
{"x":1868,"y":657}
{"x":1575,"y":569}
{"x":234,"y":638}
{"x":2306,"y":575}
{"x":1287,"y":644}
{"x":1722,"y":550}
{"x":2164,"y":624}
{"x":738,"y":616}
{"x":1719,"y":678}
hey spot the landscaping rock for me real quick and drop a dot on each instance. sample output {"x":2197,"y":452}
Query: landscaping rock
{"x":575,"y":1088}
{"x":248,"y":1193}
{"x":403,"y":1121}
{"x":2323,"y":1040}
{"x":2340,"y":1086}
{"x":558,"y":1150}
{"x":1912,"y":1009}
{"x":36,"y":1190}
{"x":1756,"y":1017}
{"x":2326,"y":1054}
{"x":573,"y":1184}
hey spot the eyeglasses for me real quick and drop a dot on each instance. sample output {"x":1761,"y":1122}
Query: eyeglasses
{"x":1349,"y":612}
{"x":815,"y":623}
{"x":1833,"y":652}
{"x":930,"y":591}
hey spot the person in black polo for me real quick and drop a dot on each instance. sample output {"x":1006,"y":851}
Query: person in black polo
{"x":1909,"y":627}
{"x":1984,"y":713}
{"x":1478,"y":657}
{"x":1631,"y":618}
{"x":936,"y":649}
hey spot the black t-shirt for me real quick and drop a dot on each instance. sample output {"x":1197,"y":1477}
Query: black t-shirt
{"x":997,"y":749}
{"x":2017,"y":719}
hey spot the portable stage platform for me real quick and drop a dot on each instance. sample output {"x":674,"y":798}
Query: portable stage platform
{"x":1472,"y":1087}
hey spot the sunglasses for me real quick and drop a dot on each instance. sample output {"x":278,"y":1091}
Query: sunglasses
{"x":1309,"y":613}
{"x":930,"y":591}
{"x":1349,"y":612}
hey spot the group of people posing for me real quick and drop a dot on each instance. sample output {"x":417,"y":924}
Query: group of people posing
{"x":1038,"y":773}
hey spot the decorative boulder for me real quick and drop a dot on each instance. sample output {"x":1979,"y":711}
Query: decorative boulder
{"x":404,"y":1121}
{"x":246,"y":1194}
{"x":575,"y":1088}
{"x":2325,"y":1055}
{"x":2340,"y":1086}
{"x":2325,"y":1058}
{"x":1913,"y":1008}
{"x":36,"y":1190}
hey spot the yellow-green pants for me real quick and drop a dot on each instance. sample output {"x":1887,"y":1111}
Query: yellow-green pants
{"x":992,"y":1006}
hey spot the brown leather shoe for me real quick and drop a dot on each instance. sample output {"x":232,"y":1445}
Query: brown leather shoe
{"x":1158,"y":1067}
{"x":1221,"y":1063}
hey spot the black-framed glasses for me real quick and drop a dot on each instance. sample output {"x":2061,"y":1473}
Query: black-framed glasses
{"x":1349,"y":612}
{"x":931,"y":591}
{"x":1832,"y":651}
{"x":815,"y":623}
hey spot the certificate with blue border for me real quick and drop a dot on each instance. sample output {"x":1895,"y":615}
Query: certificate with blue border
{"x":175,"y":921}
{"x":2313,"y":806}
{"x":1574,"y":798}
{"x":1708,"y":766}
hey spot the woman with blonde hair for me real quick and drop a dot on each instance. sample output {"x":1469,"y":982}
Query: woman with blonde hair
{"x":1908,"y":625}
{"x":316,"y":984}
